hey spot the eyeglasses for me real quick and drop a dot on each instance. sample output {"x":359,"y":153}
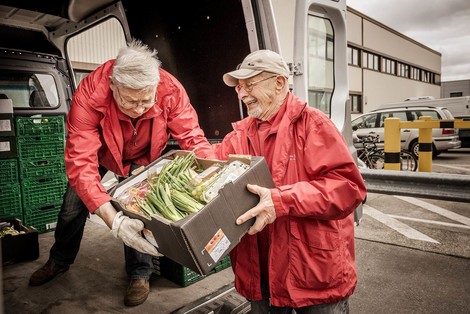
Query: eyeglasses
{"x":249,"y":87}
{"x":134,"y":104}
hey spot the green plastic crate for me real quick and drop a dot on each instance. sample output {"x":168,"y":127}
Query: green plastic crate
{"x":10,"y":201}
{"x":28,"y":126}
{"x":8,"y":171}
{"x":43,"y":218}
{"x":177,"y":273}
{"x":41,"y":167}
{"x":43,"y":190}
{"x":41,"y":146}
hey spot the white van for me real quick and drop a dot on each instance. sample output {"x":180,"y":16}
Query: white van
{"x":373,"y":123}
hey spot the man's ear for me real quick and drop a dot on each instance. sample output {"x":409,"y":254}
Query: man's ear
{"x":281,"y":82}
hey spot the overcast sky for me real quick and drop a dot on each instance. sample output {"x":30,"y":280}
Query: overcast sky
{"x":442,"y":25}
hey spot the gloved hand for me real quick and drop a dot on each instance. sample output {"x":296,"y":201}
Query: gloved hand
{"x":130,"y":232}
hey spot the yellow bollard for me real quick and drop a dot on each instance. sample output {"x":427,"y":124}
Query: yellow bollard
{"x":392,"y":146}
{"x":425,"y":147}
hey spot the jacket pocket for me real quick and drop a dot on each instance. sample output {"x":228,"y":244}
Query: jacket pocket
{"x":315,"y":252}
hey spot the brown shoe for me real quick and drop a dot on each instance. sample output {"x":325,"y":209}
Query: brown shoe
{"x":46,"y":273}
{"x":137,"y":292}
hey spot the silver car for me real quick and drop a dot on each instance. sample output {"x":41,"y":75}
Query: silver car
{"x":443,"y":139}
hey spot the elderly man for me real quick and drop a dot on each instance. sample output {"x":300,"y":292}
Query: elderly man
{"x":121,"y":117}
{"x":299,"y":253}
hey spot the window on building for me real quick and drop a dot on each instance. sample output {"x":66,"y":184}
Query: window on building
{"x":403,"y":70}
{"x":370,"y":61}
{"x":353,"y":56}
{"x":388,"y":65}
{"x":414,"y":73}
{"x":456,"y":94}
{"x":356,"y":103}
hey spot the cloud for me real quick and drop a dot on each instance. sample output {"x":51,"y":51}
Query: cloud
{"x":440,"y":25}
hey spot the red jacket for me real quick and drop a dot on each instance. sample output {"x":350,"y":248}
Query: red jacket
{"x":318,"y":186}
{"x":94,"y":135}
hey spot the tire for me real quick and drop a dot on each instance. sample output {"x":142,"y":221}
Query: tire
{"x":414,"y":149}
{"x":376,"y":161}
{"x":408,"y":162}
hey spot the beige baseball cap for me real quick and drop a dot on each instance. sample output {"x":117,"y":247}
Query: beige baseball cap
{"x":255,"y":63}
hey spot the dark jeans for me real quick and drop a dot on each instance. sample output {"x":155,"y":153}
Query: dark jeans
{"x":262,"y":307}
{"x":69,"y":232}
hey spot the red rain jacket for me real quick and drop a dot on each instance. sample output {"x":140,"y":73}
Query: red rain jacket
{"x":318,"y":186}
{"x":95,"y":138}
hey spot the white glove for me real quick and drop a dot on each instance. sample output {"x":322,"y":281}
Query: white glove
{"x":130,"y":232}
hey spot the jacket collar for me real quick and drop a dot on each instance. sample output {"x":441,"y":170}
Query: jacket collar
{"x":291,"y":110}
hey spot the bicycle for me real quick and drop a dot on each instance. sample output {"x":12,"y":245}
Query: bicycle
{"x":374,"y":157}
{"x":368,"y":152}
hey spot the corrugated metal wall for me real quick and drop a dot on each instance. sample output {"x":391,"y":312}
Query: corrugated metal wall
{"x":96,"y":45}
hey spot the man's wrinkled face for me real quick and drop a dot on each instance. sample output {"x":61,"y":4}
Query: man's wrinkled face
{"x":258,"y":94}
{"x":134,"y":102}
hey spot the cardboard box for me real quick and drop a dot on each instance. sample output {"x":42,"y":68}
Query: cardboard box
{"x":201,"y":240}
{"x":20,"y":247}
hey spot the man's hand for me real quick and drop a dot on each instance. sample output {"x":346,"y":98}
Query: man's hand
{"x":264,"y":211}
{"x":130,"y":232}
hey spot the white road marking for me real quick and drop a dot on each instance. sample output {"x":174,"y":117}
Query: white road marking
{"x":453,"y":167}
{"x":436,"y":209}
{"x":447,"y":224}
{"x":396,"y":225}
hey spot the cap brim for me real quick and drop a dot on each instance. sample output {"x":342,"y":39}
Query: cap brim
{"x":231,"y":78}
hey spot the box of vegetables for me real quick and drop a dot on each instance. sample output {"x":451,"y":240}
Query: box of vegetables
{"x":189,"y":205}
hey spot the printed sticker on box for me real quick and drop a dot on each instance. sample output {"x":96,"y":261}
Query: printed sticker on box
{"x":217,"y":245}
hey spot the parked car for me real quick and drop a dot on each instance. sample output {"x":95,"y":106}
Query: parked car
{"x":464,"y":134}
{"x":373,"y":123}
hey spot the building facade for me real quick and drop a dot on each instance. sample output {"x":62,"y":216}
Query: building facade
{"x":455,"y":88}
{"x":386,"y":66}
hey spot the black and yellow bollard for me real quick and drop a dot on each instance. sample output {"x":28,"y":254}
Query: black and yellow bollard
{"x":392,"y":146}
{"x":425,"y":147}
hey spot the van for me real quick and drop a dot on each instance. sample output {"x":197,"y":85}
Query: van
{"x":442,"y":139}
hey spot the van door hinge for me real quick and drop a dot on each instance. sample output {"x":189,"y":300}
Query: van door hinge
{"x":296,"y":69}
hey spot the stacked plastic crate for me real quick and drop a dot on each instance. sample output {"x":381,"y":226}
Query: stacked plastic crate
{"x":41,"y":142}
{"x":182,"y":275}
{"x":10,"y":195}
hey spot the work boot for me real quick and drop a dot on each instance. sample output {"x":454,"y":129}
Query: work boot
{"x":46,"y":273}
{"x":137,"y":292}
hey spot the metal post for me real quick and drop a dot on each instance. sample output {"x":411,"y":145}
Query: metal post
{"x":425,"y":147}
{"x":392,"y":146}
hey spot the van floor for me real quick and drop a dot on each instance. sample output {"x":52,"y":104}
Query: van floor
{"x":96,"y":282}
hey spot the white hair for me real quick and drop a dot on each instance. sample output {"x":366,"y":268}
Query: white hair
{"x":136,"y":66}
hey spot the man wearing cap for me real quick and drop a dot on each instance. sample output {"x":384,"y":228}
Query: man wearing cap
{"x":299,"y":253}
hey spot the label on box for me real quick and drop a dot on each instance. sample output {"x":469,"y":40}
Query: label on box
{"x":5,"y":125}
{"x":5,"y":147}
{"x":217,"y":245}
{"x":148,"y":235}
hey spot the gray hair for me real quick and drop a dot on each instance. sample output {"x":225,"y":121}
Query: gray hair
{"x":136,"y":66}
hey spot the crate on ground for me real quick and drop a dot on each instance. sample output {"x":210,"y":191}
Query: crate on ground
{"x":18,"y":242}
{"x":42,"y":167}
{"x":32,"y":126}
{"x":8,"y":171}
{"x":182,"y":275}
{"x":43,"y":218}
{"x":41,"y":146}
{"x":10,"y":198}
{"x":177,"y":273}
{"x":223,"y":264}
{"x":38,"y":191}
